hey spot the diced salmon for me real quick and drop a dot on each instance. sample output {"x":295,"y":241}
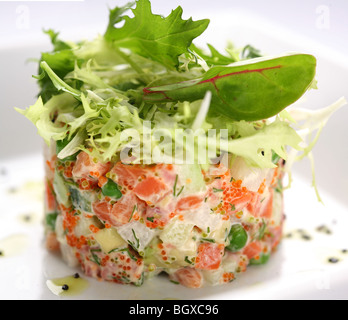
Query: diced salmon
{"x":209,"y":256}
{"x":276,"y":236}
{"x":151,"y":190}
{"x":267,"y":209}
{"x":254,"y":205}
{"x":120,"y":212}
{"x":50,"y":197}
{"x":189,"y":203}
{"x":189,"y":277}
{"x":128,"y":175}
{"x":237,"y":196}
{"x":253,"y":250}
{"x":52,"y":243}
{"x":102,"y":209}
{"x":86,"y":168}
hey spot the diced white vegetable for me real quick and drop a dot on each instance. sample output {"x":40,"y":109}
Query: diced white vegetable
{"x":137,"y":234}
{"x":203,"y":218}
{"x":221,"y":232}
{"x":277,"y":208}
{"x":213,"y":277}
{"x":177,"y":232}
{"x":190,"y":176}
{"x":230,"y":262}
{"x":251,"y":177}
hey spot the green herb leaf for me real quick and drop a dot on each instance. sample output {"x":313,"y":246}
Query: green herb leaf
{"x":153,"y":36}
{"x":187,"y":260}
{"x":208,"y":240}
{"x":215,"y":58}
{"x":61,"y":60}
{"x":249,"y":90}
{"x":249,"y":52}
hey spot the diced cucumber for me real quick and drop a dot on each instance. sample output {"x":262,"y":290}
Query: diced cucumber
{"x":61,"y":189}
{"x":191,"y":178}
{"x":79,"y":199}
{"x":109,"y":239}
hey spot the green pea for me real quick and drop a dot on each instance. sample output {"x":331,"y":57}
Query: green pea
{"x":60,"y":145}
{"x":110,"y":189}
{"x":263,"y":260}
{"x":238,"y":238}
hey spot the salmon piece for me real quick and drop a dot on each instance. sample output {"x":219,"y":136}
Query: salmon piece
{"x":151,"y":190}
{"x":189,"y":277}
{"x":86,"y":168}
{"x":276,"y":233}
{"x":255,"y":204}
{"x":121,"y":212}
{"x":52,"y":243}
{"x":189,"y":203}
{"x":267,"y":210}
{"x":253,"y":250}
{"x":128,"y":175}
{"x":50,"y":197}
{"x":102,"y":210}
{"x":209,"y":256}
{"x":237,"y":196}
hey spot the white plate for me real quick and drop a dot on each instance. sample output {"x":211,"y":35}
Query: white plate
{"x":298,"y":270}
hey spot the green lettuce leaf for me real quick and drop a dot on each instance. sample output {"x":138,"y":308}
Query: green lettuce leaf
{"x":153,"y":36}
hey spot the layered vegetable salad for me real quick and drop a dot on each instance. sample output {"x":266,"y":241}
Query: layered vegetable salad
{"x":164,"y":156}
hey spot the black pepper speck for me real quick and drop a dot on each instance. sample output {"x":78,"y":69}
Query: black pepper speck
{"x":306,"y":237}
{"x":333,"y":260}
{"x":65,"y":287}
{"x":76,"y":276}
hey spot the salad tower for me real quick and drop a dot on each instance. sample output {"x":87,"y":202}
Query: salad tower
{"x":162,"y":157}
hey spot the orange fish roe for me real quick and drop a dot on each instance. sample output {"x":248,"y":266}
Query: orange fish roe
{"x":74,"y":241}
{"x":50,"y":165}
{"x":94,"y":174}
{"x":93,"y":228}
{"x":101,"y":181}
{"x":275,"y":177}
{"x":104,"y":260}
{"x":68,"y":172}
{"x":85,"y":184}
{"x":262,"y":187}
{"x":233,"y":195}
{"x":70,"y":219}
{"x":228,"y":277}
{"x":239,"y":214}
